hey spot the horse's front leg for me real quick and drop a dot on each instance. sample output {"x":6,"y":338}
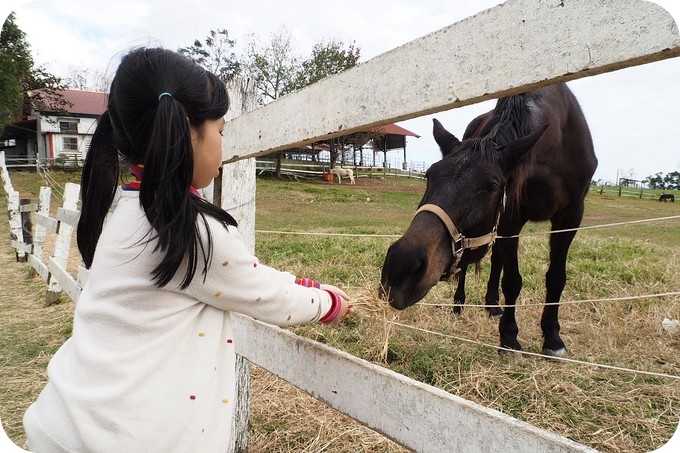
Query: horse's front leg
{"x":511,"y":284}
{"x":555,"y":280}
{"x":491,"y":298}
{"x":459,"y":295}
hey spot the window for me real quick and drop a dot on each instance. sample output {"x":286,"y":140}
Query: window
{"x":68,"y":126}
{"x":70,"y":143}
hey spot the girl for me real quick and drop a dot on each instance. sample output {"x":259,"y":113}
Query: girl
{"x":150,"y":364}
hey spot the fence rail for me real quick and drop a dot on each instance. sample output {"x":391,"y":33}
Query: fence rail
{"x":319,"y":169}
{"x":63,"y":161}
{"x":641,"y":193}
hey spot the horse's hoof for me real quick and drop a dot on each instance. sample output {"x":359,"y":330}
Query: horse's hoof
{"x":510,"y":353}
{"x":510,"y":348}
{"x":494,"y":311}
{"x":457,"y":309}
{"x":561,"y":353}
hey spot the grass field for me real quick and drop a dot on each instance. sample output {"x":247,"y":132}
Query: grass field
{"x":609,"y":410}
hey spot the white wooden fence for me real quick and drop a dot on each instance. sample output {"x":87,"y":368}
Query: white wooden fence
{"x":513,"y":47}
{"x":53,"y":269}
{"x":519,"y":45}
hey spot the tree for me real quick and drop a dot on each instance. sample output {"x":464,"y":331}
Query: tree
{"x":216,"y":54}
{"x":277,"y":71}
{"x":22,"y":84}
{"x":16,"y":61}
{"x":43,"y":91}
{"x":672,"y":180}
{"x":273,"y":66}
{"x":655,"y":182}
{"x":82,"y":78}
{"x":328,"y":58}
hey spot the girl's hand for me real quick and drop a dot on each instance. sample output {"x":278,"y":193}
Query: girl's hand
{"x":346,"y":308}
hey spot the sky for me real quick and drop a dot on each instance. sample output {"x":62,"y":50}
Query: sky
{"x":632,"y":113}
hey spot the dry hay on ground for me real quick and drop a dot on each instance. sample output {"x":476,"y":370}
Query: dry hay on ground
{"x":606,"y":409}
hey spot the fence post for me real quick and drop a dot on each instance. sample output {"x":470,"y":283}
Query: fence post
{"x":40,"y":231}
{"x":13,"y":204}
{"x":4,"y":174}
{"x":26,"y":225}
{"x":15,"y":228}
{"x":63,"y":242}
{"x":238,"y":198}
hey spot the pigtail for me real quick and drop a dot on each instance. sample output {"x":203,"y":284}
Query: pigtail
{"x":165,"y":194}
{"x":98,"y":187}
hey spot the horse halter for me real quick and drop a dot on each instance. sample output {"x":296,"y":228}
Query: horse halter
{"x":460,"y":243}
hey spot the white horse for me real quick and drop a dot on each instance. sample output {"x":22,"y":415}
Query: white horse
{"x":340,"y":172}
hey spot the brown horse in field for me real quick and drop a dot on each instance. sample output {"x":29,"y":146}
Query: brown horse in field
{"x":531,"y":158}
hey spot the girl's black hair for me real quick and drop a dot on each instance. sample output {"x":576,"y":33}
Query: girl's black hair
{"x":139,"y":127}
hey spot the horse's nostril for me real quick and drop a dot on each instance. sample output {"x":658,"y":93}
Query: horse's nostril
{"x":420,"y":267}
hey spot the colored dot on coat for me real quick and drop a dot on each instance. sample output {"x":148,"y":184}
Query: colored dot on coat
{"x":289,"y":316}
{"x":258,"y":299}
{"x":218,"y":293}
{"x":254,"y":264}
{"x":230,"y":341}
{"x":225,"y":263}
{"x":312,"y":300}
{"x":192,"y":397}
{"x":225,"y":401}
{"x":201,"y":334}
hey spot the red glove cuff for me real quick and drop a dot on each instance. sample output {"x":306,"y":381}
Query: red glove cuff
{"x":309,"y":283}
{"x":336,"y":304}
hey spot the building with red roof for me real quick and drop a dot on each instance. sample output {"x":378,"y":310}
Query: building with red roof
{"x":392,"y":137}
{"x":57,"y":130}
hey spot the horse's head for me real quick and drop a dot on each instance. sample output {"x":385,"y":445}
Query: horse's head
{"x":467,"y":186}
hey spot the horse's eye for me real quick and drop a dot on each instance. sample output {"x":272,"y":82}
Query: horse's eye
{"x":489,"y":188}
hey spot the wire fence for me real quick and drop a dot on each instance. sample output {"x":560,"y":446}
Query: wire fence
{"x":534,"y":354}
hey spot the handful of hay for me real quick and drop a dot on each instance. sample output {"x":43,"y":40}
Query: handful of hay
{"x":370,"y":306}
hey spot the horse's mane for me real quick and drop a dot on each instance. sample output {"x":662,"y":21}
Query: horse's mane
{"x":511,"y":120}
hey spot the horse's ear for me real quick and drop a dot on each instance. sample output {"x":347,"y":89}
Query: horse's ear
{"x":512,"y":153}
{"x":446,"y":140}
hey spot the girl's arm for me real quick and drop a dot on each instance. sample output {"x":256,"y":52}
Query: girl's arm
{"x":237,"y":281}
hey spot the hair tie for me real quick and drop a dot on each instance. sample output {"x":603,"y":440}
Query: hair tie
{"x":165,"y":93}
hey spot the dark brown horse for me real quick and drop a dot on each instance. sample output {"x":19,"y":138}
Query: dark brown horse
{"x":531,"y":158}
